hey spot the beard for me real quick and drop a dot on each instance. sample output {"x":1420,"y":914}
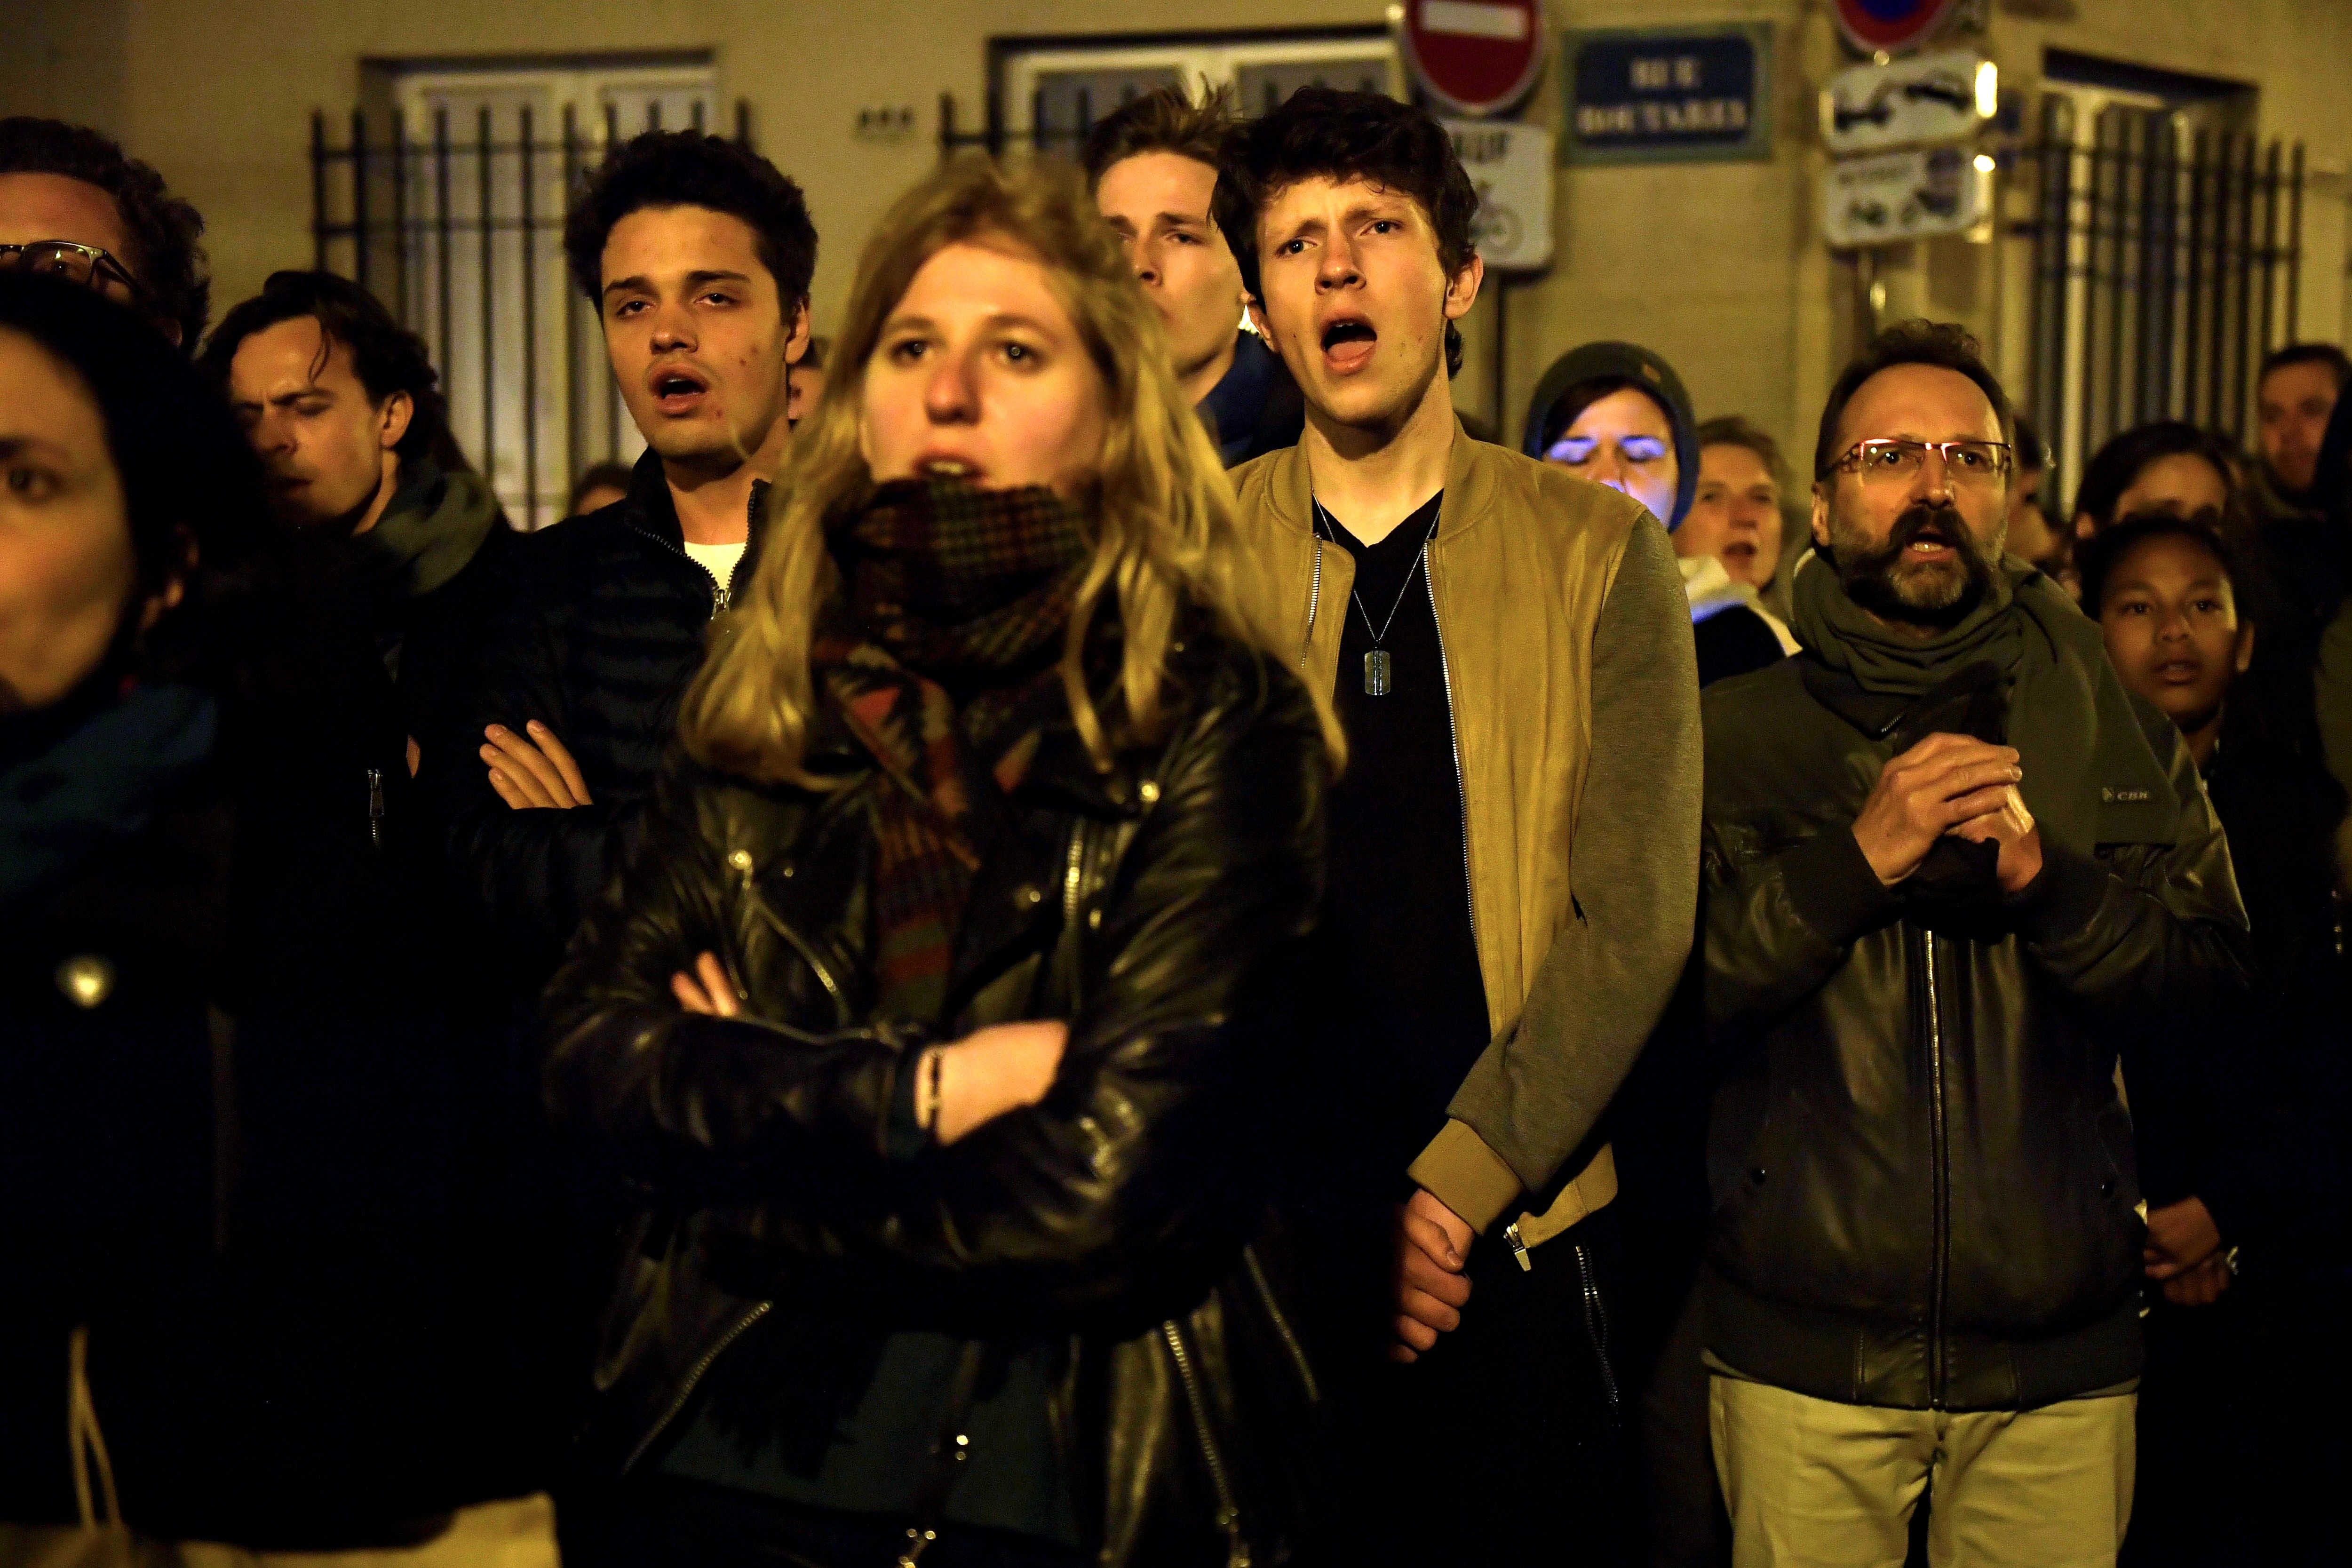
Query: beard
{"x":1886,"y":581}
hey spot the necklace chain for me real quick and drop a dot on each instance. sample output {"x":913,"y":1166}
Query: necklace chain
{"x":1380,"y":633}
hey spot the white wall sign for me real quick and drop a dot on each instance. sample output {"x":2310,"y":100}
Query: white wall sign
{"x":1920,"y":101}
{"x":1886,"y":197}
{"x":1511,"y":165}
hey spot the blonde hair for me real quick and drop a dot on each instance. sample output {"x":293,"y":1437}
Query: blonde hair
{"x":1160,"y":510}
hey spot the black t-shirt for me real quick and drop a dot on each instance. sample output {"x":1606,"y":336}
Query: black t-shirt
{"x":1401,"y":992}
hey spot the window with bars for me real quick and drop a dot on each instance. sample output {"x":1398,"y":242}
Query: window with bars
{"x":1046,"y":93}
{"x":448,"y":200}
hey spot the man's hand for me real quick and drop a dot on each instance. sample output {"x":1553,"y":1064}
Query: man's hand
{"x":1929,"y":790}
{"x":1433,"y":1247}
{"x":534,"y":772}
{"x":2011,"y":826}
{"x":2183,"y":1253}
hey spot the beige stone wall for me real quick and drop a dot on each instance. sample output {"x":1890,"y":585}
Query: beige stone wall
{"x":1716,"y":265}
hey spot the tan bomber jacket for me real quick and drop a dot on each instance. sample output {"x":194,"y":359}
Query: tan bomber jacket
{"x":1525,"y":558}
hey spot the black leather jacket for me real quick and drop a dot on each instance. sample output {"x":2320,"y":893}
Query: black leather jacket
{"x":1157,"y":908}
{"x":1923,"y":1173}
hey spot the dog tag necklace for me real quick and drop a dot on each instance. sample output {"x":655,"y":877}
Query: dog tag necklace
{"x":1377,"y":663}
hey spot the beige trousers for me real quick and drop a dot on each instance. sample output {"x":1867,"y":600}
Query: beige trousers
{"x":1814,"y":1484}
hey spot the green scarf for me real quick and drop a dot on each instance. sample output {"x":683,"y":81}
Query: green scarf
{"x":430,"y":528}
{"x":2090,"y":777}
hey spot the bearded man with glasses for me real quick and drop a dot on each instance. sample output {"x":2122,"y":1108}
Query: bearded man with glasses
{"x":1953,"y":873}
{"x":73,"y":205}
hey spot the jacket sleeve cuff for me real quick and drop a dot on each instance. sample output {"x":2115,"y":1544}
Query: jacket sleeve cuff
{"x":1461,"y":1172}
{"x":1833,"y":888}
{"x":2064,"y":900}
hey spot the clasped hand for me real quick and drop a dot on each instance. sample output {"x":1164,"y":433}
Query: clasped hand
{"x":1432,"y":1249}
{"x":1949,"y":784}
{"x":988,"y":1072}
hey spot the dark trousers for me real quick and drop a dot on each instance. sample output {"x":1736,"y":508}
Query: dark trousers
{"x":659,"y":1523}
{"x":1504,"y":1444}
{"x":2243,"y":1454}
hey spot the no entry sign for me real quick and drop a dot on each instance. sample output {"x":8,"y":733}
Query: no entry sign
{"x":1890,"y":27}
{"x":1474,"y":57}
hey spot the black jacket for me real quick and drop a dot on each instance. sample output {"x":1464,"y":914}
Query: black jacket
{"x":598,"y":628}
{"x":1158,"y":909}
{"x":244,"y":1162}
{"x":1922,"y":1175}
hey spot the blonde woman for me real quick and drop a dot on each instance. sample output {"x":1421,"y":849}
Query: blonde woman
{"x":936,"y":1018}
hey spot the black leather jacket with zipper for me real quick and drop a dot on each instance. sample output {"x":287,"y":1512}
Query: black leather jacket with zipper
{"x":1158,"y":909}
{"x":1922,"y":1168}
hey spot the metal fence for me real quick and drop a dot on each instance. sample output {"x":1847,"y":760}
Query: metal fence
{"x":2166,"y":264}
{"x":457,"y":227}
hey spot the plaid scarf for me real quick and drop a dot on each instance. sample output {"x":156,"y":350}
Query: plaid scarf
{"x":939,"y":656}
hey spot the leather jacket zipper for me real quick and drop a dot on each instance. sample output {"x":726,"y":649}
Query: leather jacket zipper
{"x":1229,"y":1514}
{"x":1282,"y":1324}
{"x":807,"y":948}
{"x":741,"y":1326}
{"x":375,"y":807}
{"x":1939,"y":1154}
{"x":1596,"y":1322}
{"x":1453,"y":738}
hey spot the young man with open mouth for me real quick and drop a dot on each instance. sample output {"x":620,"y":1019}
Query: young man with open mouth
{"x":697,"y":255}
{"x":1512,"y":852}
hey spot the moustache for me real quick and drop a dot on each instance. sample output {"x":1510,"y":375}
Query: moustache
{"x":1917,"y":521}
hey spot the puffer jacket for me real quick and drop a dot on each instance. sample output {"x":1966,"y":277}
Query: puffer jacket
{"x":1158,"y":909}
{"x":1921,"y":1167}
{"x":596,"y":627}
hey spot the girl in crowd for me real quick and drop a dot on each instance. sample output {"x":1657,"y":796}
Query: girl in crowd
{"x":223,"y":1199}
{"x":938,"y":1018}
{"x":1617,"y":414}
{"x":126,"y":495}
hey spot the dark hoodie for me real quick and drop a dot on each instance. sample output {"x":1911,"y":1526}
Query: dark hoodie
{"x":1732,"y":638}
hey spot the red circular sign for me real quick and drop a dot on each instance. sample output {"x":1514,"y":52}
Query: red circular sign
{"x":1887,"y":27}
{"x":1474,"y":57}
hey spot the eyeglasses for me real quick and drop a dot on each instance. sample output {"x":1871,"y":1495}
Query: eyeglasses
{"x":1965,"y":462}
{"x":83,"y":264}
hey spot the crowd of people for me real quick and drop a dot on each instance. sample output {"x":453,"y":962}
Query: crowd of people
{"x":1073,"y":926}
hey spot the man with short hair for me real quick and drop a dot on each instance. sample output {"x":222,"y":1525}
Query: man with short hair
{"x":1512,"y":856}
{"x":343,"y":405}
{"x":697,"y":255}
{"x":72,"y":203}
{"x":2293,"y":399}
{"x":1153,"y":167}
{"x":1954,"y":872}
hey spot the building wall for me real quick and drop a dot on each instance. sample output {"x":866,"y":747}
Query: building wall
{"x":1718,"y":266}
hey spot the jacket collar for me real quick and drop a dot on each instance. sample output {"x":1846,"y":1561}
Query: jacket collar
{"x":649,"y":508}
{"x":1469,"y":487}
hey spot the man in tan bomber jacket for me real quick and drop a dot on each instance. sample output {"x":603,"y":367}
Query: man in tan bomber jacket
{"x":1514,"y":857}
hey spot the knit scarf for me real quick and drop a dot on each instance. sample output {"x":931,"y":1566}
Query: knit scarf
{"x":99,"y":784}
{"x":939,"y":656}
{"x":2090,"y":775}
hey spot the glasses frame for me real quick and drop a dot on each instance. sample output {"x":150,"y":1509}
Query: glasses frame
{"x":1851,"y":463}
{"x":103,"y":264}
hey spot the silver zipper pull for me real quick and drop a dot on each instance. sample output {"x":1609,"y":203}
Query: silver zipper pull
{"x":1519,"y":1248}
{"x":375,"y":806}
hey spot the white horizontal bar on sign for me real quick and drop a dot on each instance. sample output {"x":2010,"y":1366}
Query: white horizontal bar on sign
{"x":1472,"y":20}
